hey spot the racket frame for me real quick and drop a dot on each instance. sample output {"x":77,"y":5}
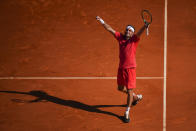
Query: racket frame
{"x":149,"y":22}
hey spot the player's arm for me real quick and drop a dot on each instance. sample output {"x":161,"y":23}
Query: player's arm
{"x":105,"y":25}
{"x":142,"y":29}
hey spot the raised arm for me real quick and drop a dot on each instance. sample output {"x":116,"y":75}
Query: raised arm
{"x":145,"y":26}
{"x":106,"y":26}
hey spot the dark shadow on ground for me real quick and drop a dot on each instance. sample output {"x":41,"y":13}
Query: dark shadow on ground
{"x":43,"y":96}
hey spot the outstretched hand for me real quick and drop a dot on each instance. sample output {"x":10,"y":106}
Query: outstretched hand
{"x":105,"y":25}
{"x":98,"y":18}
{"x":146,"y":24}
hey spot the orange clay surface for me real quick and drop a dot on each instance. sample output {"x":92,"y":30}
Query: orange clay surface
{"x":54,"y":38}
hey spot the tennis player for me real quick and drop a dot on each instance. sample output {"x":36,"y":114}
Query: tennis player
{"x":126,"y":77}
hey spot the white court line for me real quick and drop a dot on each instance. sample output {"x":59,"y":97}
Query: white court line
{"x":165,"y":68}
{"x":70,"y":78}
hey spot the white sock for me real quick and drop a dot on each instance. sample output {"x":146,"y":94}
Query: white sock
{"x":127,"y":110}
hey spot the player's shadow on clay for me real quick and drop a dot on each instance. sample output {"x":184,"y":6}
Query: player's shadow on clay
{"x":44,"y":97}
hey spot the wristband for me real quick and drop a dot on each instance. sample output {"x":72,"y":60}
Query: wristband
{"x":101,"y":21}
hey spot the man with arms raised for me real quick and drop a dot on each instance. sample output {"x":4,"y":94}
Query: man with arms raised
{"x":126,"y":77}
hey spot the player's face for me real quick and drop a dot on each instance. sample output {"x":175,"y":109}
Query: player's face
{"x":128,"y":33}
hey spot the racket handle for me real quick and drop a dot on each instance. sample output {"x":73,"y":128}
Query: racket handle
{"x":147,"y":26}
{"x":147,"y":32}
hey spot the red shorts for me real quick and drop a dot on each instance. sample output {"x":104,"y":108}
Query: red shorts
{"x":127,"y":77}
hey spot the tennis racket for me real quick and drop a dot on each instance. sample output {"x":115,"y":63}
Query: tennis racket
{"x":147,"y":18}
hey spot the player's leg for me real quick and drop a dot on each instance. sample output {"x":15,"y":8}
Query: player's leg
{"x":130,"y":85}
{"x":129,"y":103}
{"x":129,"y":97}
{"x":134,"y":97}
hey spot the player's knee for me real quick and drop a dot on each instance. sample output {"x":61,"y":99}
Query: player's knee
{"x":120,"y":88}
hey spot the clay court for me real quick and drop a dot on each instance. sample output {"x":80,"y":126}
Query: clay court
{"x":58,"y":66}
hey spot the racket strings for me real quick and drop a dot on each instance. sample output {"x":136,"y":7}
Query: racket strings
{"x":147,"y":17}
